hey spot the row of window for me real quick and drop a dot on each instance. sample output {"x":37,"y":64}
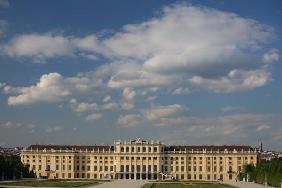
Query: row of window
{"x":144,"y":149}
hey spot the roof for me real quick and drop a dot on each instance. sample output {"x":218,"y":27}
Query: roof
{"x":209,"y":148}
{"x":71,"y":147}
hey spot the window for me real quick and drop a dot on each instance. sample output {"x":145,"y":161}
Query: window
{"x":122,"y":149}
{"x":127,"y":149}
{"x":155,"y":149}
{"x":57,"y":167}
{"x":144,"y":149}
{"x":149,"y":149}
{"x":132,"y":149}
{"x":155,"y":168}
{"x":138,"y":149}
{"x":122,"y":168}
{"x":88,"y":168}
{"x":95,"y":168}
{"x":144,"y":168}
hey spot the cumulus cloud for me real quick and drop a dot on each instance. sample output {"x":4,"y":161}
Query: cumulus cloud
{"x":111,"y":106}
{"x":83,"y":106}
{"x":107,"y":98}
{"x":128,"y":94}
{"x":53,"y":129}
{"x":263,"y":127}
{"x":232,"y":109}
{"x":217,"y":130}
{"x":49,"y":45}
{"x":192,"y":46}
{"x":94,"y":117}
{"x":182,"y":47}
{"x":159,"y":112}
{"x":271,"y":56}
{"x":4,"y":3}
{"x":234,"y":120}
{"x":181,"y":91}
{"x":52,"y":87}
{"x":236,"y":80}
{"x":130,"y":120}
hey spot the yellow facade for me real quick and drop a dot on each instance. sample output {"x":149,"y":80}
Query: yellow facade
{"x":138,"y":159}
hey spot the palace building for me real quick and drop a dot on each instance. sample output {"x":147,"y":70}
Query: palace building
{"x":138,"y":159}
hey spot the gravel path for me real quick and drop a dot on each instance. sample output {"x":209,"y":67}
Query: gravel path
{"x":121,"y":184}
{"x":242,"y":184}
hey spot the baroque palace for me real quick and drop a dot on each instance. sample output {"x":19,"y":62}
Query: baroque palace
{"x":138,"y":159}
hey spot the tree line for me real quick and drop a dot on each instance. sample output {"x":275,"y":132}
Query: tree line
{"x":269,"y":172}
{"x":11,"y":167}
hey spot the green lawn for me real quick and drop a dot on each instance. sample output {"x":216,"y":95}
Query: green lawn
{"x":52,"y":183}
{"x":186,"y":185}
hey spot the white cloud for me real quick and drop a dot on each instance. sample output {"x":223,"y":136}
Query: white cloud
{"x":263,"y":127}
{"x":247,"y":119}
{"x":271,"y":56}
{"x":217,"y":130}
{"x":127,"y":105}
{"x":2,"y":85}
{"x":83,"y":106}
{"x":193,"y":47}
{"x":128,"y":94}
{"x":232,"y":109}
{"x":107,"y":98}
{"x":151,"y":98}
{"x":49,"y":45}
{"x":110,"y":106}
{"x":4,"y":3}
{"x":94,"y":117}
{"x":6,"y":125}
{"x":236,"y":80}
{"x":181,"y":91}
{"x":38,"y":46}
{"x":52,"y":87}
{"x":130,"y":120}
{"x":159,"y":112}
{"x":49,"y":88}
{"x":53,"y":129}
{"x":187,"y":43}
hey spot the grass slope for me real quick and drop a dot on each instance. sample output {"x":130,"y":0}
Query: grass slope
{"x":186,"y":185}
{"x":52,"y":183}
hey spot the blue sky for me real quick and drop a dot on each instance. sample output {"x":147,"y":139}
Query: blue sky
{"x":184,"y":72}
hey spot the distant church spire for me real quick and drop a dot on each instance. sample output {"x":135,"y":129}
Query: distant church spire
{"x":260,"y":146}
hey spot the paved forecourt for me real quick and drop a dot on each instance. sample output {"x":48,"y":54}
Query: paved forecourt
{"x":121,"y":184}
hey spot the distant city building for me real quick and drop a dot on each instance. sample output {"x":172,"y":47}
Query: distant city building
{"x":138,"y":159}
{"x":10,"y":151}
{"x":269,"y":155}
